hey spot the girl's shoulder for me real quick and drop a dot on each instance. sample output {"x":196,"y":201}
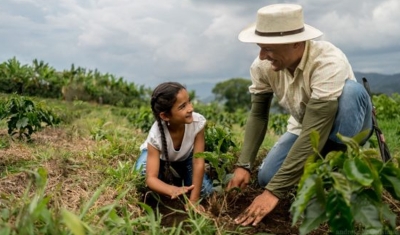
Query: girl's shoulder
{"x":199,"y":121}
{"x":198,"y":117}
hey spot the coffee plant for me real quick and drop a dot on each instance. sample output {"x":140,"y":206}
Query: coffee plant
{"x":24,"y":116}
{"x":345,"y":190}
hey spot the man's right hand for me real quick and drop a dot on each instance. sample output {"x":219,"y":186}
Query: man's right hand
{"x":240,"y":179}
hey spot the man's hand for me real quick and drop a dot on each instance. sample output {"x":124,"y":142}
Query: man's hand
{"x":240,"y":179}
{"x":262,"y":205}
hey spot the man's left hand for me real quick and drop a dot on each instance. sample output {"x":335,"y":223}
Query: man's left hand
{"x":262,"y":205}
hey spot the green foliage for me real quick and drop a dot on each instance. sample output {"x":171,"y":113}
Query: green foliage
{"x":40,"y":79}
{"x":218,"y":152}
{"x":278,"y":123}
{"x":218,"y":138}
{"x":345,"y":189}
{"x":31,"y":214}
{"x":142,"y":118}
{"x":215,"y":113}
{"x":24,"y":116}
{"x":234,"y":93}
{"x":387,"y":107}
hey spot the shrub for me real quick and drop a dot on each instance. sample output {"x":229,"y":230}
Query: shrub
{"x":24,"y":117}
{"x":345,"y":189}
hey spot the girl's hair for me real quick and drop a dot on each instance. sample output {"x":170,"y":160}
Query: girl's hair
{"x":162,"y":100}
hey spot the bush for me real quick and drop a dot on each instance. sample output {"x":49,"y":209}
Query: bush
{"x":24,"y":117}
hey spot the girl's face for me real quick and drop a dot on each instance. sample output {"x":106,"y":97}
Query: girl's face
{"x":181,"y":112}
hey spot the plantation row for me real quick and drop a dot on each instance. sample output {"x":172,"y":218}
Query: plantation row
{"x":77,"y":83}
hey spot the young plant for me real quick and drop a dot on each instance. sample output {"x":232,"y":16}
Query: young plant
{"x":219,"y":143}
{"x":24,"y":117}
{"x":345,"y":190}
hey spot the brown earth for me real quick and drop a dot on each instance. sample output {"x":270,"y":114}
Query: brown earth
{"x":277,"y":222}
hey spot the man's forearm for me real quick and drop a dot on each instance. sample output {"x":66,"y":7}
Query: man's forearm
{"x":319,"y":116}
{"x":256,"y":127}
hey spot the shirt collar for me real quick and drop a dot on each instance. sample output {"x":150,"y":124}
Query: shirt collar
{"x":304,"y":58}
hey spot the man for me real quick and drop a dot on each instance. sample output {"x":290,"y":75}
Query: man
{"x":314,"y":82}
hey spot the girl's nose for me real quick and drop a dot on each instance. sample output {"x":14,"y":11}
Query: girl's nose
{"x":190,"y":108}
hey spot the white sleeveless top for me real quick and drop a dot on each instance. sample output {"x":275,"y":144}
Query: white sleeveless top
{"x":191,"y":130}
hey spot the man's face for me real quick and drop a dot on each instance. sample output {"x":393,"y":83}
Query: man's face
{"x":281,"y":56}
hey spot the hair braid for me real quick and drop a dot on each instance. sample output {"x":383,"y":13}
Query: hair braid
{"x":167,"y":170}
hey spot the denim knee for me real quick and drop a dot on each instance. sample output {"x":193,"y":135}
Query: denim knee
{"x":207,"y":187}
{"x":141,"y":162}
{"x":354,"y":111}
{"x":275,"y":158}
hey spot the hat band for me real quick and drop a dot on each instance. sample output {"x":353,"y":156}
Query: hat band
{"x":272,"y":34}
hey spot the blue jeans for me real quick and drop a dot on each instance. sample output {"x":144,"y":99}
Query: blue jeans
{"x":184,"y":169}
{"x":353,"y":116}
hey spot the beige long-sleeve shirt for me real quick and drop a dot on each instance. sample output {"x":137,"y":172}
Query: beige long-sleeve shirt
{"x":310,"y":96}
{"x":320,"y":75}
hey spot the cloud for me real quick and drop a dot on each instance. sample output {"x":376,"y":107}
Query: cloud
{"x":151,"y":41}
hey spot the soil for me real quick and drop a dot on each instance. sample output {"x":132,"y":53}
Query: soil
{"x":277,"y":222}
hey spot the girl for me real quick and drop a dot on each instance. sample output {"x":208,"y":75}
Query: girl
{"x":167,"y":154}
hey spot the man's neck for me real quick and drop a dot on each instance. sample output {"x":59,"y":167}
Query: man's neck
{"x":299,"y":51}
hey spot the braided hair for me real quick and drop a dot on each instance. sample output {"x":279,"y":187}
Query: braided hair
{"x":162,"y":100}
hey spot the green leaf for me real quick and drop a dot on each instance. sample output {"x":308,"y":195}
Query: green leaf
{"x":73,"y":222}
{"x":339,"y":214}
{"x":361,"y":136}
{"x":314,"y":215}
{"x":21,"y":123}
{"x":375,"y":166}
{"x":365,"y":211}
{"x":351,"y":143}
{"x":390,"y":176}
{"x":303,"y":196}
{"x":342,"y":186}
{"x":357,"y":170}
{"x":335,"y":158}
{"x":389,"y":216}
{"x":392,"y":185}
{"x":309,"y":168}
{"x":314,"y":135}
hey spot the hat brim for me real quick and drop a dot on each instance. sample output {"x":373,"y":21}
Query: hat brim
{"x":248,"y":35}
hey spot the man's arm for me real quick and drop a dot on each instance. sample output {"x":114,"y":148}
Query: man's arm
{"x":319,"y":116}
{"x":256,"y":127}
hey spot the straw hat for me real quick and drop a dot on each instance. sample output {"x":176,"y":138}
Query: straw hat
{"x":279,"y":24}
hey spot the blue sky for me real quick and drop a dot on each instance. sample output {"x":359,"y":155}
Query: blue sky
{"x":148,"y":42}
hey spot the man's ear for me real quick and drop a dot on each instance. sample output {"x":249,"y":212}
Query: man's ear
{"x":164,"y":116}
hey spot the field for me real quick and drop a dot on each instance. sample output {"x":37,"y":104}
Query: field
{"x":77,"y":177}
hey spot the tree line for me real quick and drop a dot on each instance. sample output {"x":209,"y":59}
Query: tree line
{"x":78,"y":83}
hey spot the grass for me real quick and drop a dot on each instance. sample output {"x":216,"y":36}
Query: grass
{"x":79,"y":177}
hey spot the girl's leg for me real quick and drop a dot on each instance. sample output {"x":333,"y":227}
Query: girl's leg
{"x":141,"y":165}
{"x":275,"y":158}
{"x":141,"y":162}
{"x":354,"y":112}
{"x":206,"y":187}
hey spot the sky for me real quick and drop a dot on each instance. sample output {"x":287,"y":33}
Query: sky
{"x":189,"y":41}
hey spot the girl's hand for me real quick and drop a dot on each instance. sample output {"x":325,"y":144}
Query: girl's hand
{"x":177,"y":191}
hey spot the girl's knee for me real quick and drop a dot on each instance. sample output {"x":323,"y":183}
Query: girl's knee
{"x":207,"y":187}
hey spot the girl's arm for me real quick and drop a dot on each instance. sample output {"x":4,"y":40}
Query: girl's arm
{"x":152,"y":180}
{"x":198,"y":166}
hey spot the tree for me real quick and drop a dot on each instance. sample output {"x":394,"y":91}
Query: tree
{"x":234,"y":93}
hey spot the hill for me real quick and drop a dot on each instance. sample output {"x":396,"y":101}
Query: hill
{"x":379,"y":83}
